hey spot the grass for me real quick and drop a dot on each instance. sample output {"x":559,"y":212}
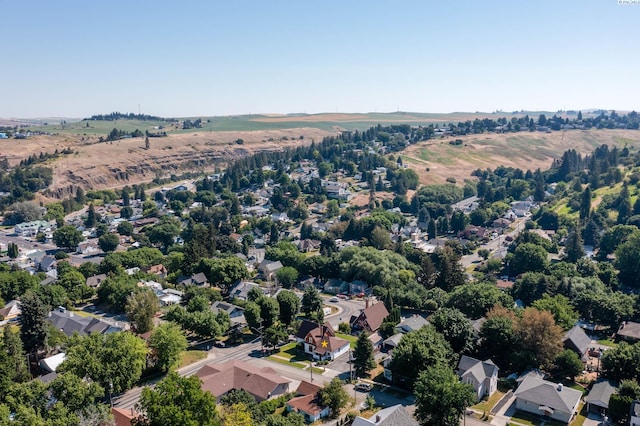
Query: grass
{"x":189,"y":357}
{"x":487,"y":404}
{"x":352,"y":339}
{"x":297,"y":364}
{"x":607,"y":342}
{"x":581,"y":417}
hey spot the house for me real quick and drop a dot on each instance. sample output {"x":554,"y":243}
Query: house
{"x":261,"y":382}
{"x":269,"y":268}
{"x":307,"y":403}
{"x":10,"y":311}
{"x":159,"y":270}
{"x":199,"y":279}
{"x":46,"y":263}
{"x":635,"y":414}
{"x":392,"y":342}
{"x":170,"y":296}
{"x":69,"y":323}
{"x":501,"y":223}
{"x":95,"y":280}
{"x":31,"y":229}
{"x":88,"y":247}
{"x":598,"y":398}
{"x":370,"y":319}
{"x":335,"y":286}
{"x":578,"y":341}
{"x":544,"y":398}
{"x":52,"y":363}
{"x":122,"y":416}
{"x":395,"y":415}
{"x":358,"y":287}
{"x":629,"y":331}
{"x":413,"y":323}
{"x":241,"y":290}
{"x":306,"y":326}
{"x":236,"y":313}
{"x":482,"y":375}
{"x":322,"y":344}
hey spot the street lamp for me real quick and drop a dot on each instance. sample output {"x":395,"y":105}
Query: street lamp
{"x":110,"y":392}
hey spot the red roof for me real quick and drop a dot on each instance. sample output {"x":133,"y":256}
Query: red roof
{"x":122,"y":416}
{"x":309,"y":404}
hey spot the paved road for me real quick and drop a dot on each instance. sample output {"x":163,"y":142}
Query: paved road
{"x":29,"y":244}
{"x":495,"y":246}
{"x":346,"y":308}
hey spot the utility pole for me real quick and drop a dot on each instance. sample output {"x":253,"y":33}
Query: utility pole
{"x":311,"y":369}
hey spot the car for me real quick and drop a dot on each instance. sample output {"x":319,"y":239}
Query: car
{"x":333,"y":299}
{"x":220,"y":344}
{"x":365,"y":387}
{"x":595,"y":352}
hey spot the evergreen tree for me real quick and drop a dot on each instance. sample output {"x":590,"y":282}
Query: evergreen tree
{"x":432,"y":229}
{"x":34,"y":329}
{"x":585,"y":204}
{"x":147,"y":145}
{"x":624,"y":205}
{"x":12,"y":250}
{"x":125,"y":197}
{"x":91,"y":217}
{"x":363,"y":355}
{"x":574,"y":249}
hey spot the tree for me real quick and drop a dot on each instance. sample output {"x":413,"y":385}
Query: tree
{"x":574,"y":249}
{"x":455,"y":328}
{"x":269,"y":310}
{"x":628,"y":260}
{"x":12,"y":346}
{"x":287,"y":276}
{"x":497,"y":336}
{"x":563,"y":313}
{"x":380,"y":238}
{"x":363,"y":355}
{"x":311,"y":301}
{"x":167,"y":341}
{"x":126,"y":212}
{"x":289,"y":304}
{"x":92,"y":219}
{"x":125,"y":228}
{"x":238,"y":415}
{"x":273,"y":335}
{"x":34,"y":324}
{"x":25,"y":211}
{"x":416,"y":351}
{"x":252,"y":315}
{"x":225,"y":272}
{"x":12,"y":250}
{"x":177,"y":401}
{"x":334,"y":396}
{"x":528,"y":257}
{"x":441,"y":398}
{"x":67,"y":237}
{"x":568,"y":364}
{"x":75,"y":393}
{"x":432,"y":229}
{"x":141,"y":307}
{"x":109,"y":359}
{"x":147,"y":145}
{"x":164,"y":234}
{"x":620,"y":402}
{"x":474,"y":300}
{"x":621,"y":362}
{"x":108,"y":242}
{"x":585,"y":204}
{"x":539,"y":338}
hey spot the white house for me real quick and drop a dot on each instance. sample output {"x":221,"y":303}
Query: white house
{"x":635,"y":414}
{"x":540,"y":397}
{"x":482,"y":375}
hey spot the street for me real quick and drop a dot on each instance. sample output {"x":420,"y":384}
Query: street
{"x":495,"y":246}
{"x":30,"y":244}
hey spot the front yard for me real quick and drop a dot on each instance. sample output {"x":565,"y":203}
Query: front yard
{"x":487,"y":404}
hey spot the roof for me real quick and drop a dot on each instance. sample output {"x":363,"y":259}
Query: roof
{"x":69,"y":323}
{"x":374,"y":315}
{"x":96,"y":280}
{"x":629,"y":329}
{"x":414,"y":322}
{"x":548,"y":394}
{"x":222,"y":378}
{"x":600,"y":393}
{"x":122,"y":417}
{"x":306,"y":388}
{"x":393,"y":340}
{"x":577,"y":340}
{"x":479,"y":370}
{"x":241,"y":291}
{"x":306,"y":326}
{"x":11,"y":309}
{"x":52,"y":363}
{"x":635,"y":409}
{"x":309,"y":404}
{"x":329,"y":344}
{"x":392,"y":416}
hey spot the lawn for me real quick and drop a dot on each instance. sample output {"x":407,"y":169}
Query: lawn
{"x":607,"y":342}
{"x":487,"y":404}
{"x":189,"y":357}
{"x":297,"y":364}
{"x":352,"y":339}
{"x":581,"y":417}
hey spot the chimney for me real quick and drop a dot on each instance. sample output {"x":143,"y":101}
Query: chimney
{"x":378,"y":418}
{"x":559,"y":387}
{"x":366,"y":303}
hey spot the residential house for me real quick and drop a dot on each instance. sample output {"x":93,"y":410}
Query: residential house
{"x":552,"y":400}
{"x":88,"y":247}
{"x":307,"y":403}
{"x":51,"y":364}
{"x":95,"y":280}
{"x":467,"y":205}
{"x":241,"y":290}
{"x":199,"y":279}
{"x":578,"y":341}
{"x":269,"y":268}
{"x":412,"y":323}
{"x":395,"y":415}
{"x":122,"y":416}
{"x":159,"y":270}
{"x":358,"y":287}
{"x":598,"y":398}
{"x":236,"y":313}
{"x":46,"y":263}
{"x":31,"y":229}
{"x":335,"y":286}
{"x":10,"y":311}
{"x":370,"y":319}
{"x":392,"y":342}
{"x":321,"y":342}
{"x":306,"y":246}
{"x":482,"y":375}
{"x":170,"y":296}
{"x":501,"y":223}
{"x":635,"y":414}
{"x":69,"y":323}
{"x":629,"y":331}
{"x":261,"y":382}
{"x":474,"y":232}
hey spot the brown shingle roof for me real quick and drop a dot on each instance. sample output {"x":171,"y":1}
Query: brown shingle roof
{"x":374,"y":315}
{"x":309,"y":404}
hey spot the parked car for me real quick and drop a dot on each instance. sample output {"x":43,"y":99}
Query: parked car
{"x":333,"y":299}
{"x":365,"y":387}
{"x":595,"y":352}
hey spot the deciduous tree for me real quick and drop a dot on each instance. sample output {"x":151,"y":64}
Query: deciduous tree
{"x":167,"y":341}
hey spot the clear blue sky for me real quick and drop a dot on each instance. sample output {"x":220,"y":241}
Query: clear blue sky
{"x":78,"y":58}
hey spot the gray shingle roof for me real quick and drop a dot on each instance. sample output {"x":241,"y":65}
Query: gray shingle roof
{"x":392,"y":416}
{"x":576,"y":339}
{"x":600,"y":393}
{"x":552,"y":395}
{"x":480,"y":370}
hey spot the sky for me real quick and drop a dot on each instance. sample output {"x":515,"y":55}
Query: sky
{"x":204,"y":58}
